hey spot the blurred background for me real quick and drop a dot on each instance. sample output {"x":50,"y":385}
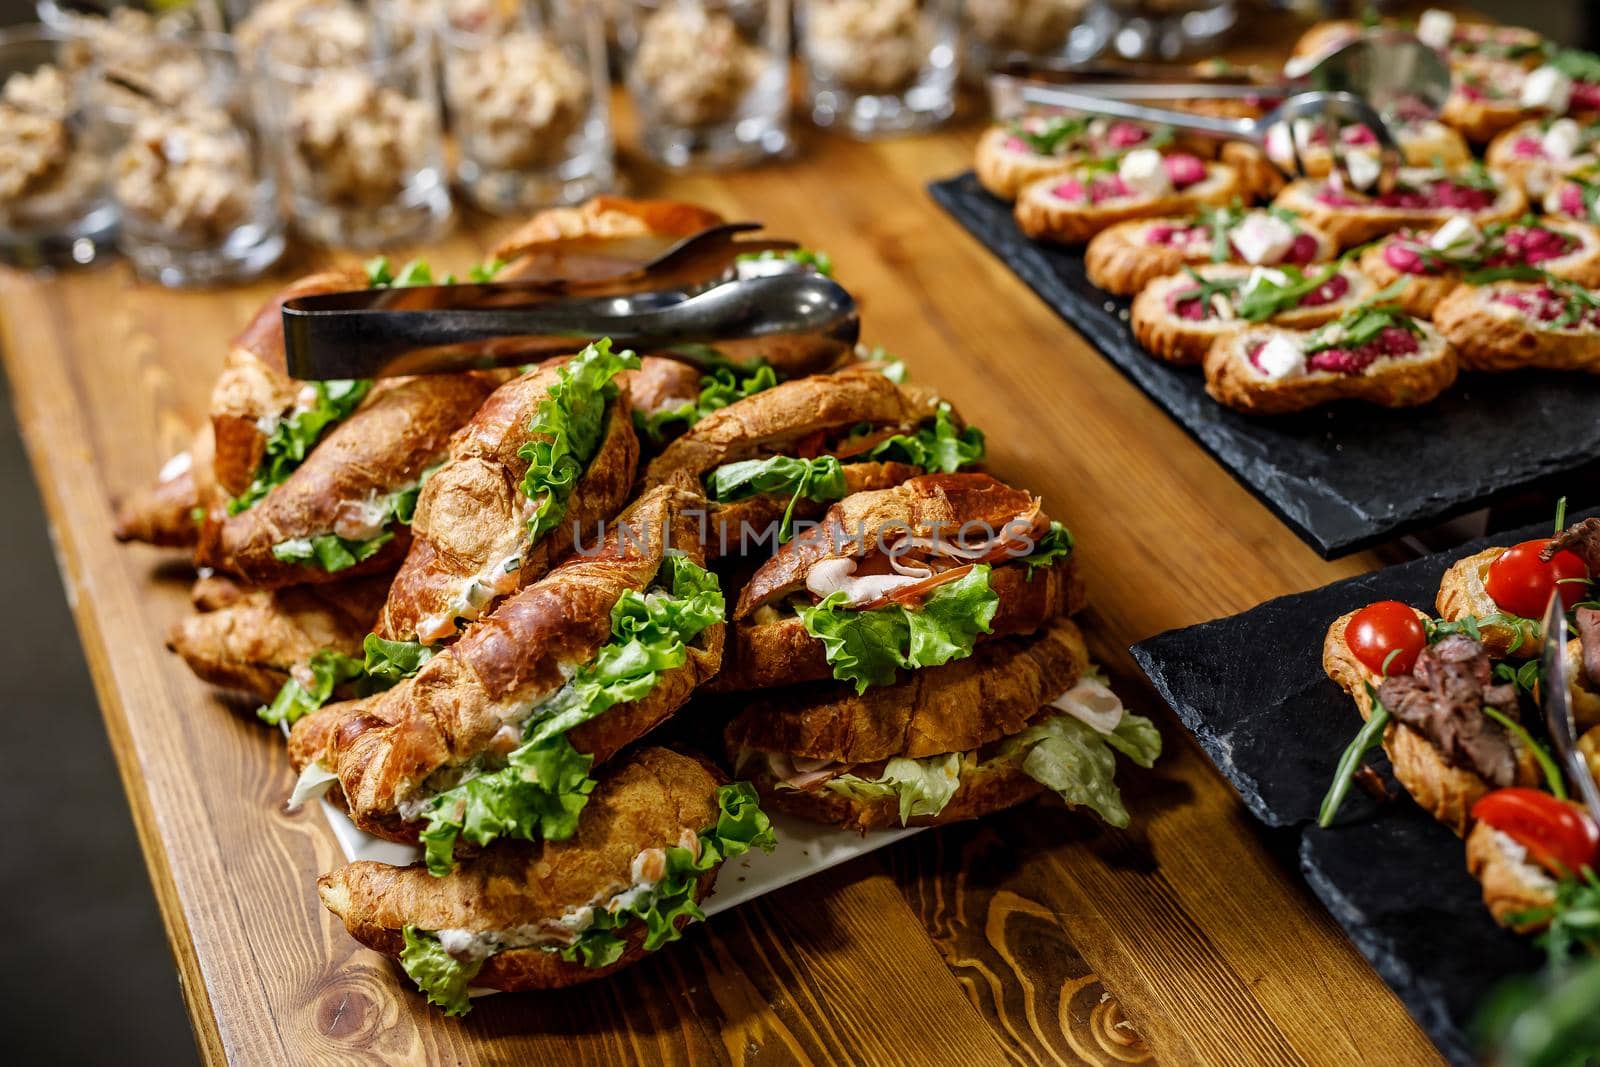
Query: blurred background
{"x":91,"y":974}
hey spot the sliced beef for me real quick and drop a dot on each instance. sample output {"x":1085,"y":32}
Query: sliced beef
{"x":1443,"y":699}
{"x":1588,"y":626}
{"x":1582,"y":539}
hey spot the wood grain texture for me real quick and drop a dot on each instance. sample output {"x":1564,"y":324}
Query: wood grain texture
{"x":1037,"y":937}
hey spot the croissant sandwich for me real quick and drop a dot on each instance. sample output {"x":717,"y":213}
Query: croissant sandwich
{"x":901,"y":579}
{"x":344,"y":510}
{"x":528,"y":916}
{"x":785,"y":453}
{"x":1019,"y":717}
{"x":495,"y":735}
{"x":548,"y":456}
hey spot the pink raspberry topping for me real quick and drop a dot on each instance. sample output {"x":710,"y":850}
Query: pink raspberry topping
{"x":1333,"y":197}
{"x":1303,"y":250}
{"x":1187,"y":307}
{"x":1544,"y":304}
{"x":1404,"y":257}
{"x":1440,"y":194}
{"x":1326,"y":293}
{"x":1358,"y":135}
{"x":1585,"y":97}
{"x":1071,"y":189}
{"x":1106,"y":188}
{"x":1392,"y":341}
{"x":1527,"y":148}
{"x":1017,"y":144}
{"x":1184,"y":169}
{"x":1125,"y":135}
{"x":1532,"y":244}
{"x":1570,"y":200}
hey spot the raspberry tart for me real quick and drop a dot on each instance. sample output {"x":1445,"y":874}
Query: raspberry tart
{"x":1126,"y":257}
{"x":1375,"y":354}
{"x":1016,"y":153}
{"x":1074,"y":206}
{"x":1508,"y":325}
{"x":1178,"y":318}
{"x":1421,"y":198}
{"x":1431,"y":263}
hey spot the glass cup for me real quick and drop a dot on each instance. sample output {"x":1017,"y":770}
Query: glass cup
{"x":351,"y":106}
{"x":709,"y":79}
{"x":877,"y":67}
{"x":528,"y":103}
{"x":1000,"y":30}
{"x":54,"y":207}
{"x":199,"y":205}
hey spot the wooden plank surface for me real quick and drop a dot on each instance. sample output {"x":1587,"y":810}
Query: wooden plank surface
{"x":1035,"y":937}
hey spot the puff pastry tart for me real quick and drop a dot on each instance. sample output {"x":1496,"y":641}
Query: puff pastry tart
{"x":1431,"y":263}
{"x":1074,"y":206}
{"x":1421,"y":198}
{"x":1376,"y":355}
{"x":1438,"y":29}
{"x":1038,"y":146}
{"x":1553,"y":324}
{"x":1126,"y":257}
{"x":1178,"y":318}
{"x":1539,"y":151}
{"x":1485,"y":98}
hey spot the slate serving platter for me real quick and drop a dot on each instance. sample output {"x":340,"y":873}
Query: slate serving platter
{"x":1252,"y":691}
{"x":1345,"y":477}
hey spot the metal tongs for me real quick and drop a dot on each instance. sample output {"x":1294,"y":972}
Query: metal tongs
{"x":1556,"y":697}
{"x":1370,"y":81}
{"x":694,"y":302}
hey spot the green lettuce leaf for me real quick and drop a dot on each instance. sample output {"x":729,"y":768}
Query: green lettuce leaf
{"x":545,"y":783}
{"x":438,"y":974}
{"x":381,"y":275}
{"x":1054,"y":546}
{"x":292,"y":439}
{"x":867,"y":647}
{"x":329,"y":669}
{"x":721,"y":387}
{"x":390,"y":662}
{"x":1079,"y":762}
{"x":567,"y":429}
{"x":809,"y":479}
{"x":329,"y":551}
{"x":817,"y":260}
{"x":939,"y":448}
{"x":923,"y":786}
{"x":741,"y":825}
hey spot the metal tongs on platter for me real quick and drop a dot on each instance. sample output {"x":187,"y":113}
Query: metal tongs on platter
{"x":700,"y":301}
{"x":1556,"y":697}
{"x":1371,"y":82}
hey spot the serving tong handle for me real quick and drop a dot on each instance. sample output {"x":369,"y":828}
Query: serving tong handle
{"x":340,"y":335}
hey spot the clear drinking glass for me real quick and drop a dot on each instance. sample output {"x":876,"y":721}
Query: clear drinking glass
{"x":709,"y":78}
{"x":351,"y":105}
{"x":54,"y":207}
{"x":876,"y":67}
{"x":997,"y":30}
{"x":199,"y":204}
{"x":528,"y":102}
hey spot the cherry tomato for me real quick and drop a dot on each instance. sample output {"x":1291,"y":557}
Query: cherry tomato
{"x":1385,"y":628}
{"x":1521,"y":583}
{"x":1560,"y":837}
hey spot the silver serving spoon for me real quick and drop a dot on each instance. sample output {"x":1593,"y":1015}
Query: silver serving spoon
{"x":348,"y":335}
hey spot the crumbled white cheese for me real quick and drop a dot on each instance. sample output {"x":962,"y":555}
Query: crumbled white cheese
{"x":1143,"y":172}
{"x":1547,"y":87}
{"x":1435,"y":28}
{"x":1561,"y":140}
{"x":1278,"y":143}
{"x":1280,"y":358}
{"x":1458,"y":235}
{"x":1260,"y":276}
{"x":1517,"y":857}
{"x":1364,"y":168}
{"x":1262,"y":238}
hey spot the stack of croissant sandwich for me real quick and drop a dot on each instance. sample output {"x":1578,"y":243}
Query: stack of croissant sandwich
{"x":469,"y":597}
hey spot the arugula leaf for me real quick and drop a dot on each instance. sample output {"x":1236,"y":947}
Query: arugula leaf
{"x":566,"y":431}
{"x":809,"y":479}
{"x":1361,"y":324}
{"x":923,"y":786}
{"x":1054,"y":546}
{"x":939,"y":448}
{"x":329,"y":551}
{"x":486,"y":271}
{"x":1219,"y":220}
{"x":741,"y":826}
{"x":818,"y":261}
{"x":1548,"y":1021}
{"x":545,"y":783}
{"x":329,"y":669}
{"x":1079,"y":763}
{"x":442,"y":977}
{"x":1369,"y":737}
{"x":381,"y":275}
{"x":721,"y":387}
{"x":1268,"y":298}
{"x":1577,"y":64}
{"x":1472,"y":625}
{"x":1573,"y":918}
{"x":867,"y":647}
{"x":293,"y":437}
{"x":1056,"y":132}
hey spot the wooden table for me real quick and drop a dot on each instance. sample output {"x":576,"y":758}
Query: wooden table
{"x":1037,"y":936}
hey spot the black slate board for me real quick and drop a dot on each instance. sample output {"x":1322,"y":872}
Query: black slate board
{"x":1345,"y":477}
{"x":1252,"y":691}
